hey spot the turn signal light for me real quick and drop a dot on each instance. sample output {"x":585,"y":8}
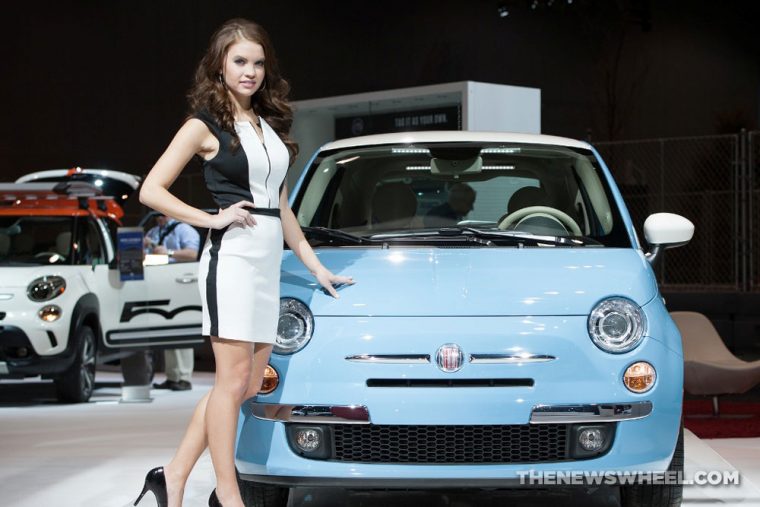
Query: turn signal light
{"x":271,"y":380}
{"x":50,"y":313}
{"x":639,"y":377}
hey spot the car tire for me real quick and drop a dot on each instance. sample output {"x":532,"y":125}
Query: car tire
{"x":257,"y":494}
{"x":657,"y":495}
{"x":76,"y":384}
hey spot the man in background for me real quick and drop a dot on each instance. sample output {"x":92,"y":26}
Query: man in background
{"x":180,"y":242}
{"x":459,"y":203}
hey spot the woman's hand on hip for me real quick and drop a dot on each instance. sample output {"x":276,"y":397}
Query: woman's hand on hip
{"x":235,"y":214}
{"x":328,"y":280}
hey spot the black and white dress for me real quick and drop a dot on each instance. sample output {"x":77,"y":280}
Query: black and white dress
{"x":239,"y":272}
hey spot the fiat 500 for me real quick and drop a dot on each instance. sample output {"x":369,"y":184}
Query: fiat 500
{"x":63,"y":304}
{"x":506,"y":324}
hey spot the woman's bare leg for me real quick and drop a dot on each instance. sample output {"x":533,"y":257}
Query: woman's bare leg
{"x":195,"y":442}
{"x":261,"y":354}
{"x":233,"y":376}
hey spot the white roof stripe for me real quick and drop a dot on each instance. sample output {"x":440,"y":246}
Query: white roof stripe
{"x":130,"y":179}
{"x":444,"y":136}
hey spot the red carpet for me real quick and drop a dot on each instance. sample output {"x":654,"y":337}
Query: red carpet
{"x":725,"y":426}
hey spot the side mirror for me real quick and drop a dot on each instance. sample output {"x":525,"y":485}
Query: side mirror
{"x":666,"y":230}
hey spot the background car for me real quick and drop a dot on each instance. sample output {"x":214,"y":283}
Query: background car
{"x":63,"y":304}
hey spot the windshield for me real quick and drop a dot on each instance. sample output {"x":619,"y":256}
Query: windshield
{"x":516,"y":190}
{"x":35,"y":240}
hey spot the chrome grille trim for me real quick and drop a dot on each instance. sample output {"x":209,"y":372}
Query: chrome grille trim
{"x":510,"y":358}
{"x":321,"y":414}
{"x":390,"y":358}
{"x":449,"y":382}
{"x":590,"y":413}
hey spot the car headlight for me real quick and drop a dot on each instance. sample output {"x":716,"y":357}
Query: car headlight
{"x":616,"y":325}
{"x":294,"y":328}
{"x":46,"y":288}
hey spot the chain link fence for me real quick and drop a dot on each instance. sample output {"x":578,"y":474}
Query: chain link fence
{"x":752,"y":163}
{"x":707,"y":180}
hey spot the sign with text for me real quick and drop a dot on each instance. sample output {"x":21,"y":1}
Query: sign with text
{"x":130,"y":253}
{"x":440,"y":118}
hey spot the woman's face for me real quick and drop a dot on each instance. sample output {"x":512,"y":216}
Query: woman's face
{"x":244,"y":68}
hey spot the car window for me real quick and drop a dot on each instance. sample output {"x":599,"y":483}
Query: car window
{"x":538,"y":189}
{"x":89,"y":245}
{"x":35,"y":240}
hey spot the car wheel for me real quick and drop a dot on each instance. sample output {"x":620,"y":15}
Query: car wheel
{"x":257,"y":494}
{"x":76,"y":384}
{"x":657,"y":495}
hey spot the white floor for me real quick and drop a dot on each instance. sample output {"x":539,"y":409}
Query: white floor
{"x":96,"y":454}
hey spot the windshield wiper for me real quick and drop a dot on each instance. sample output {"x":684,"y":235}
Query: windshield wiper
{"x":332,"y":234}
{"x":573,"y":241}
{"x":439,"y":235}
{"x":484,"y":237}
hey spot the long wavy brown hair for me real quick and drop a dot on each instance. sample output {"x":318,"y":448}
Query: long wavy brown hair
{"x":209,"y":93}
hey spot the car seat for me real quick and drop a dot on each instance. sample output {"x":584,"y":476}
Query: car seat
{"x":5,"y":244}
{"x":538,"y":222}
{"x":394,"y":206}
{"x":23,"y":244}
{"x":525,"y":197}
{"x":63,"y":243}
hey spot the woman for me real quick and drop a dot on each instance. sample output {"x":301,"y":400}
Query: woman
{"x":239,"y":128}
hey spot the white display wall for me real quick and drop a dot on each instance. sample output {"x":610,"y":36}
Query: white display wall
{"x":483,"y":107}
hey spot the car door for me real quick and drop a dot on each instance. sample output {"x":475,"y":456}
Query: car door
{"x":163,"y":309}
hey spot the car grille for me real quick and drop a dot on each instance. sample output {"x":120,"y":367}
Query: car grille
{"x":519,"y":443}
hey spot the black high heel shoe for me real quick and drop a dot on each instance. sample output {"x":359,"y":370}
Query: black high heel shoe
{"x":156,"y":483}
{"x":213,"y":501}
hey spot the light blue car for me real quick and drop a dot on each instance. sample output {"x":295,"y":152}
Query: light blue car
{"x":505,"y":330}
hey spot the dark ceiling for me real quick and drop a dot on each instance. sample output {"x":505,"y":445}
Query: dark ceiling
{"x":102,"y":83}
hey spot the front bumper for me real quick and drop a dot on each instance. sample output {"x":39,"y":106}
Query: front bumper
{"x":19,"y":359}
{"x":568,"y":389}
{"x":19,"y":313}
{"x":546,"y":414}
{"x":289,"y":481}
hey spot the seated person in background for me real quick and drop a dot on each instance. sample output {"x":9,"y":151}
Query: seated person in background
{"x":460,"y":202}
{"x":180,"y":242}
{"x":177,"y":240}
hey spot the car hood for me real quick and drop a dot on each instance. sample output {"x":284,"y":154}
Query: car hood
{"x":17,"y":276}
{"x":472,"y":281}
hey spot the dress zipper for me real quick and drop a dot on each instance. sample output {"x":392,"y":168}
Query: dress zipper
{"x":269,"y":171}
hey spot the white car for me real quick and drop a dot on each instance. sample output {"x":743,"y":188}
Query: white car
{"x":63,"y":303}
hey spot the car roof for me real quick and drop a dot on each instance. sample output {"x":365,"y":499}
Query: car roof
{"x":56,"y":199}
{"x":454,"y":136}
{"x":130,"y":179}
{"x":118,"y":184}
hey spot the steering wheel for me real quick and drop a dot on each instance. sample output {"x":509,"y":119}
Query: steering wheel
{"x":50,"y":254}
{"x":510,"y":218}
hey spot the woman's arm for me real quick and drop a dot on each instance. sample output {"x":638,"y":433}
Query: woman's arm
{"x":293,"y":235}
{"x":192,"y":138}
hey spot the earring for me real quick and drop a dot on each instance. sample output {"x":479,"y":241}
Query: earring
{"x":220,"y":78}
